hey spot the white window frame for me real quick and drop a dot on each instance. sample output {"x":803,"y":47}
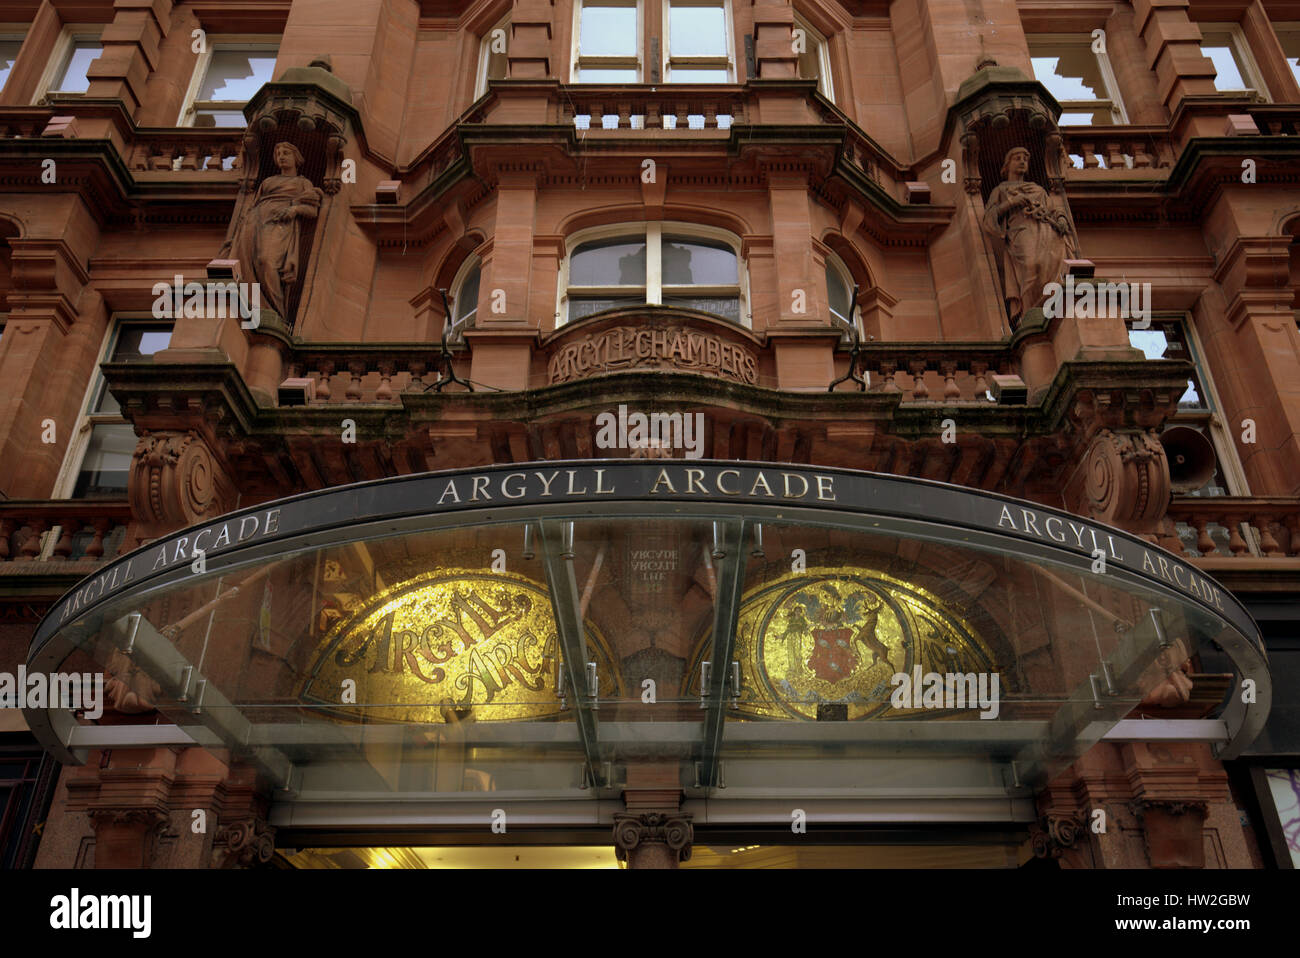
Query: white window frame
{"x":1245,"y":59}
{"x":471,"y":263}
{"x":481,"y":77}
{"x":653,"y":232}
{"x":191,"y":106}
{"x":10,"y":32}
{"x":825,"y":83}
{"x":698,"y":63}
{"x":835,"y":263}
{"x":1119,"y":115}
{"x":1289,"y":29}
{"x":578,"y":62}
{"x":61,"y":56}
{"x":66,"y":482}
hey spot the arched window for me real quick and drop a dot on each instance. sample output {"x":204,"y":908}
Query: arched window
{"x":839,"y":291}
{"x":669,"y":264}
{"x":464,"y":296}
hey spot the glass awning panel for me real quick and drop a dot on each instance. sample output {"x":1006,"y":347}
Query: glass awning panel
{"x":546,"y":630}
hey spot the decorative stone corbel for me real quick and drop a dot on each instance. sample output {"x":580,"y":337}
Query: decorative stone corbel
{"x":1126,"y":478}
{"x":176,"y":480}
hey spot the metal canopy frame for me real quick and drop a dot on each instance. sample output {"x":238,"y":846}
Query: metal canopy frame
{"x":219,"y":723}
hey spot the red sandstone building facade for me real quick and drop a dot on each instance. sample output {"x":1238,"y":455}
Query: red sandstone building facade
{"x":828,"y":229}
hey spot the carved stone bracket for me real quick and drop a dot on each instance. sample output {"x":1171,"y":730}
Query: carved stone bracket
{"x":249,"y":843}
{"x":1126,"y":478}
{"x":672,"y":832}
{"x":176,"y":480}
{"x":1173,"y":831}
{"x":1056,"y":835}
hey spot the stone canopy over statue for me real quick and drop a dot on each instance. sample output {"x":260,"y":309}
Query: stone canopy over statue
{"x":1036,"y":235}
{"x":269,"y":238}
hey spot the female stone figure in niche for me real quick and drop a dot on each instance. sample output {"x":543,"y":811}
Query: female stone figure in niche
{"x":1036,"y":235}
{"x":268,"y":240}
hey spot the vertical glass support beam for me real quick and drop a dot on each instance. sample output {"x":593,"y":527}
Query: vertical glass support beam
{"x":562,"y":583}
{"x":728,"y":537}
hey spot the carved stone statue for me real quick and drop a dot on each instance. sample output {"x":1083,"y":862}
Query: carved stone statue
{"x":1036,"y":234}
{"x":269,"y":238}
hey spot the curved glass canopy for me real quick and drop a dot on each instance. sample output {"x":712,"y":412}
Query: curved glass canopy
{"x":538,"y":630}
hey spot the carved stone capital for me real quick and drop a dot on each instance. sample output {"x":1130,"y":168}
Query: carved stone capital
{"x":1173,"y":831}
{"x":176,"y":480}
{"x":1057,"y":834}
{"x":249,"y":843}
{"x":633,"y":832}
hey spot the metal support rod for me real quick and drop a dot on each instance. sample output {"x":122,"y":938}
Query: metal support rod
{"x":854,"y":352}
{"x":446,"y":371}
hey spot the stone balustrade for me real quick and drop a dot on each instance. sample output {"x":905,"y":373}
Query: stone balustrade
{"x":366,"y":373}
{"x":926,"y":372}
{"x":1119,"y":147}
{"x":189,"y":148}
{"x":85,"y":529}
{"x":1238,"y":527}
{"x":669,"y":106}
{"x":1276,"y":119}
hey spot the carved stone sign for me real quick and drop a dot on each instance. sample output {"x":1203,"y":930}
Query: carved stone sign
{"x":639,"y":347}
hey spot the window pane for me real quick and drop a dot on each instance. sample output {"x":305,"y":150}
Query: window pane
{"x":219,"y":118}
{"x":698,"y":263}
{"x":1220,"y":50}
{"x":134,"y":343}
{"x":1071,"y":73}
{"x":1074,"y":116}
{"x":699,"y":76}
{"x":607,"y":76}
{"x":1168,"y":341}
{"x":107,"y":462}
{"x":615,"y":262}
{"x":1290,"y":40}
{"x":837,"y":293}
{"x":467,"y":299}
{"x":697,"y":31}
{"x":236,"y":74}
{"x":728,"y":307}
{"x":8,"y":54}
{"x":810,"y":59}
{"x":140,"y":342}
{"x":580,"y":306}
{"x":73,"y":79}
{"x":607,"y":31}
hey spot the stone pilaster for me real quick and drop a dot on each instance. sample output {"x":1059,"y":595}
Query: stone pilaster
{"x":1173,"y":50}
{"x":529,"y":50}
{"x":774,"y":56}
{"x":131,"y":54}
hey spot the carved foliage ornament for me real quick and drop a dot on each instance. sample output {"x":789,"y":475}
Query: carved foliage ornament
{"x":244,"y":844}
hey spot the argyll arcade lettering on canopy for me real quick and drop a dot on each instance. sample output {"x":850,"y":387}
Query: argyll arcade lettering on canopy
{"x":839,"y":492}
